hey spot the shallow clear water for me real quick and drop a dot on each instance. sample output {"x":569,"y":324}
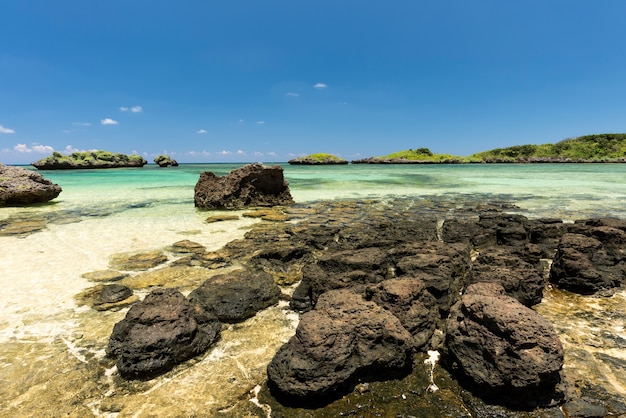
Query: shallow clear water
{"x":103,"y":212}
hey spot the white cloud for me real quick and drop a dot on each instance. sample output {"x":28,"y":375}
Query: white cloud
{"x":134,"y":109}
{"x":109,"y":121}
{"x":241,"y":152}
{"x":81,"y":123}
{"x":4,"y":130}
{"x":224,"y":152}
{"x":43,"y":149}
{"x":70,"y":149}
{"x":201,"y":131}
{"x":260,"y":122}
{"x":67,"y":131}
{"x":271,"y":154}
{"x":320,"y":86}
{"x":37,"y":148}
{"x":292,"y":94}
{"x":199,"y":153}
{"x":258,"y":153}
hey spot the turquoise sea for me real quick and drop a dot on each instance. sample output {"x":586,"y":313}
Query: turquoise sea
{"x":103,"y":212}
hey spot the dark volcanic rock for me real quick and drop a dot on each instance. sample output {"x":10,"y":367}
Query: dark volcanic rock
{"x":503,"y":350}
{"x":583,"y":265}
{"x":251,"y":185}
{"x":160,"y":332}
{"x":238,"y":295}
{"x":341,"y":269}
{"x":19,"y":186}
{"x":409,"y":300}
{"x":442,"y":268}
{"x":343,"y":339}
{"x":520,"y":280}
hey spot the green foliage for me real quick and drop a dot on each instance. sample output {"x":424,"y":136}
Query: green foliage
{"x":599,"y":147}
{"x":421,"y":154}
{"x":324,"y":157}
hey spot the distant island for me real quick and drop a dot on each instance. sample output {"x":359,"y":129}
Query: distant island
{"x":598,"y":148}
{"x":88,"y":159}
{"x":318,"y":159}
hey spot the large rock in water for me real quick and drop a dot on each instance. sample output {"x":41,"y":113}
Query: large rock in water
{"x":504,"y":351}
{"x":160,"y":332}
{"x":250,"y":185}
{"x":343,"y":339}
{"x":19,"y":186}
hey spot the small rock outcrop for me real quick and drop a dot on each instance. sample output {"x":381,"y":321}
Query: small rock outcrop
{"x":87,"y":160}
{"x":160,"y":332}
{"x":165,"y":161}
{"x":236,"y":296}
{"x":503,"y":349}
{"x":343,"y":339}
{"x":20,"y":186}
{"x":250,"y":185}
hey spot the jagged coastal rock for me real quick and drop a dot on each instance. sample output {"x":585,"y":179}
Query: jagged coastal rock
{"x":344,"y":338}
{"x":236,"y":296}
{"x":250,"y":185}
{"x":160,"y":332}
{"x":382,"y":285}
{"x":87,"y":160}
{"x":318,"y":159}
{"x":506,"y":351}
{"x":165,"y":161}
{"x":20,"y":186}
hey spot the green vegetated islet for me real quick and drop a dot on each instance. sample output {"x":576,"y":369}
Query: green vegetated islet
{"x":89,"y":159}
{"x":595,"y":148}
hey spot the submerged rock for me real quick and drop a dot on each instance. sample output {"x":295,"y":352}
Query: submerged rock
{"x":137,"y":261}
{"x":160,"y":332}
{"x":504,"y":351}
{"x":343,"y":339}
{"x":20,"y":187}
{"x":250,"y":185}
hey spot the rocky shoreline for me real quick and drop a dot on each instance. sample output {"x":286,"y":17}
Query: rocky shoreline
{"x":382,"y":285}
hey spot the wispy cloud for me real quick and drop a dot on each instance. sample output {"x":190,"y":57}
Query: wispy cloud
{"x":133,"y":109}
{"x":4,"y":130}
{"x":201,"y":131}
{"x":109,"y":121}
{"x":272,"y":154}
{"x":81,"y":123}
{"x":241,"y":152}
{"x":224,"y":152}
{"x":260,"y":122}
{"x":320,"y":86}
{"x":36,"y":148}
{"x":292,"y":94}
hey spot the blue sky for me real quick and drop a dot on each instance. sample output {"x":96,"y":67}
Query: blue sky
{"x":243,"y":80}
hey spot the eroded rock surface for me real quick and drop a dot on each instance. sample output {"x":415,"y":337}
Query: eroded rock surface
{"x":160,"y":332}
{"x":506,"y":351}
{"x":250,"y":185}
{"x":20,"y":186}
{"x":344,"y":338}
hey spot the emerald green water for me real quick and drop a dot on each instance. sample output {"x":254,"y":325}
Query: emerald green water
{"x":103,"y":212}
